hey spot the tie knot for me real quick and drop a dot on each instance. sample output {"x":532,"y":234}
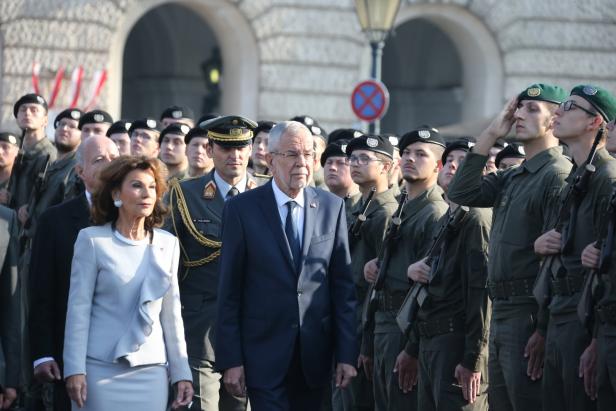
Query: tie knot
{"x":291,"y":205}
{"x":233,"y":191}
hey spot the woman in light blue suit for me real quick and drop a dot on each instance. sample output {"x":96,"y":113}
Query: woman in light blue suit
{"x":124,"y":337}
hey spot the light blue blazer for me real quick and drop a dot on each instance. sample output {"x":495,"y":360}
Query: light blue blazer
{"x":124,"y":303}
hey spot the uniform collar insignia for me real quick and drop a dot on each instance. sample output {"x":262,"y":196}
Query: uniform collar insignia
{"x":250,"y":184}
{"x":209,"y":191}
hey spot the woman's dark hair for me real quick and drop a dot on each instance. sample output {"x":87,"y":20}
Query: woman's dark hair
{"x":111,"y":178}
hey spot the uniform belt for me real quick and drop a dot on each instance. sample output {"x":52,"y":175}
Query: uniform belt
{"x":607,"y":313}
{"x":512,"y":288}
{"x":390,"y":301}
{"x":429,"y":329}
{"x":567,"y":285}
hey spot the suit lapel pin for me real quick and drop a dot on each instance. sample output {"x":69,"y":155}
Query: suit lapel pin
{"x":209,"y":192}
{"x":313,"y":204}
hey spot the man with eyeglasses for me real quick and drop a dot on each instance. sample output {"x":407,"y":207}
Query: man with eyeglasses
{"x":395,"y":371}
{"x":196,"y":220}
{"x":371,"y":159}
{"x":522,"y":199}
{"x":580,"y":121}
{"x":144,"y":136}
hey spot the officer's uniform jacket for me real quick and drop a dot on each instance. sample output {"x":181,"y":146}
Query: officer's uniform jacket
{"x":196,"y":219}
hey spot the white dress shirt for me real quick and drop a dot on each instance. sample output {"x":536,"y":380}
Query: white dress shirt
{"x":224,"y":187}
{"x":298,"y":212}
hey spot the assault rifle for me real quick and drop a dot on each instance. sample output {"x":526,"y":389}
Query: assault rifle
{"x":355,"y":228}
{"x":593,"y":283}
{"x":371,"y":302}
{"x":418,"y":293}
{"x":568,"y":210}
{"x":17,"y":165}
{"x":35,"y":196}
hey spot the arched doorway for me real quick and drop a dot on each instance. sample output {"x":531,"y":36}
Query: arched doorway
{"x":168,"y":54}
{"x":454,"y":58}
{"x":423,"y":72}
{"x":233,"y":34}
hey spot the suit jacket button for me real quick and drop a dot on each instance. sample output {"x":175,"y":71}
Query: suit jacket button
{"x":299,"y":292}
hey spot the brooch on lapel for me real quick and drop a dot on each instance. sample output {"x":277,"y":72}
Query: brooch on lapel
{"x":313,"y":204}
{"x":209,"y":191}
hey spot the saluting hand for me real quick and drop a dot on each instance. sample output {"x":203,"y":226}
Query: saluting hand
{"x":184,"y":395}
{"x":77,"y":389}
{"x":234,"y":381}
{"x":371,"y":270}
{"x":548,"y":243}
{"x":419,"y":272}
{"x":470,"y":382}
{"x":499,"y":127}
{"x":591,"y":256}
{"x":588,"y":369}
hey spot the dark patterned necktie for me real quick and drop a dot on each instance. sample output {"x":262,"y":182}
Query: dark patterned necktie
{"x":292,"y":233}
{"x":232,"y":192}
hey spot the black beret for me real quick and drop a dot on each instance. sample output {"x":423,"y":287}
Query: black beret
{"x":180,"y":129}
{"x":177,"y":112}
{"x":334,"y":149}
{"x":462,"y":144}
{"x":31,"y":98}
{"x":263,"y":126}
{"x":120,"y":126}
{"x":207,"y":117}
{"x":393,"y":139}
{"x":513,"y":150}
{"x":312,"y":125}
{"x":378,"y":144}
{"x":72,"y":113}
{"x":347,"y":134}
{"x":145,"y":124}
{"x":11,"y":138}
{"x":602,"y":100}
{"x":231,"y":131}
{"x":195,"y":132}
{"x":424,"y":134}
{"x":95,"y":117}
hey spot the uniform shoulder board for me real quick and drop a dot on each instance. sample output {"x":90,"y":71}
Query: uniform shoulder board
{"x":258,"y":175}
{"x":209,"y":191}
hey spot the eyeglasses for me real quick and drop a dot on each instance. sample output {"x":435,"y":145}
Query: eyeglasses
{"x":294,"y":155}
{"x":362,"y":159}
{"x":569,"y":104}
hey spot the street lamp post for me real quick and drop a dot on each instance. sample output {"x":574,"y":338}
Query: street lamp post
{"x":376,"y":18}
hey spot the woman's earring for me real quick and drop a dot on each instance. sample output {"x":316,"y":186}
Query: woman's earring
{"x":117,"y":203}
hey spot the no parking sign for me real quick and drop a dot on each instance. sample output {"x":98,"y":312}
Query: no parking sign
{"x":370,"y":100}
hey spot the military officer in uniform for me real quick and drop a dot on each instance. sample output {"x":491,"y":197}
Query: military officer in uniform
{"x":177,"y":114}
{"x":510,"y":156}
{"x":173,"y":150}
{"x":420,"y":152}
{"x":451,"y":333}
{"x":95,"y":123}
{"x":371,"y":159}
{"x":259,"y":149}
{"x":38,"y":151}
{"x":9,"y":147}
{"x":118,"y":133}
{"x":522,"y":199}
{"x":578,"y":122}
{"x":144,"y":137}
{"x":196,"y":220}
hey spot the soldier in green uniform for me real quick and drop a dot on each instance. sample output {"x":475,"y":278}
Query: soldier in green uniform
{"x":177,"y":114}
{"x":522,"y":199}
{"x":337,"y":172}
{"x":420,"y":152}
{"x":95,"y":123}
{"x":196,"y":219}
{"x":144,"y":137}
{"x":450,"y":338}
{"x":199,"y":163}
{"x":9,"y":147}
{"x":118,"y":133}
{"x":259,"y":168}
{"x":320,"y":141}
{"x":395,"y":175}
{"x":173,"y":150}
{"x":371,"y":159}
{"x":577,"y":123}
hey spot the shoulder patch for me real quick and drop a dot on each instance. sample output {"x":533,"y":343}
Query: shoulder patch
{"x":209,"y":191}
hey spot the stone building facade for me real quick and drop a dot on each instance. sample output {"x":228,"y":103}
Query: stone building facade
{"x":286,"y":57}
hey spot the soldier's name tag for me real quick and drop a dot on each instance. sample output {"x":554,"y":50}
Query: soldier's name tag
{"x":201,"y":220}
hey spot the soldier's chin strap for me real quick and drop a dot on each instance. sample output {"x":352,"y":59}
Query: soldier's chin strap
{"x":176,"y":191}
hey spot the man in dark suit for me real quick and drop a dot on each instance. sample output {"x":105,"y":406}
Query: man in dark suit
{"x":10,"y":309}
{"x":286,"y":303}
{"x":52,"y":253}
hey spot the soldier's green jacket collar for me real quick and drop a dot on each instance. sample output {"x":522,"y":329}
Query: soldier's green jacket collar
{"x":538,"y":161}
{"x":378,"y":200}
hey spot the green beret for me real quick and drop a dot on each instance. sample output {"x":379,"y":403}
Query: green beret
{"x":378,"y":144}
{"x":602,"y":100}
{"x":544,"y":92}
